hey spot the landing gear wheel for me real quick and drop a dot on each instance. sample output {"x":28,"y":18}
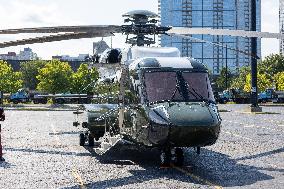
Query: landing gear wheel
{"x":165,"y":158}
{"x":91,"y":140}
{"x":179,"y":157}
{"x":82,"y":139}
{"x":198,"y":150}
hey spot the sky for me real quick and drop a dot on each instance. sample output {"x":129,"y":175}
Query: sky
{"x":38,"y":13}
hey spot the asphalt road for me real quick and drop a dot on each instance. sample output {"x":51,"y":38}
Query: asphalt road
{"x":42,"y":151}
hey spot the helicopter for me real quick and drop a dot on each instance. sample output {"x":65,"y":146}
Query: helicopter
{"x":164,"y":100}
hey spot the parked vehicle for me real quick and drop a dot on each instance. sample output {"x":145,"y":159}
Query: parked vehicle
{"x":270,"y":95}
{"x":266,"y":96}
{"x":278,"y":97}
{"x":23,"y":96}
{"x":234,"y":95}
{"x":224,"y":97}
{"x":37,"y":98}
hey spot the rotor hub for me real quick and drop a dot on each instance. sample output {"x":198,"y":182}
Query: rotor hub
{"x":143,"y":26}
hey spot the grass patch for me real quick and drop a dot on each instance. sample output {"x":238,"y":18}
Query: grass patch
{"x":230,"y":103}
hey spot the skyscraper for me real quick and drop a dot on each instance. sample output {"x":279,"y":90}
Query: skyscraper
{"x":281,"y":23}
{"x":221,"y":14}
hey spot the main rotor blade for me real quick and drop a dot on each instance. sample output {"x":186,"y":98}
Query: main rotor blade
{"x":215,"y":44}
{"x":57,"y":29}
{"x":226,"y":32}
{"x":52,"y":38}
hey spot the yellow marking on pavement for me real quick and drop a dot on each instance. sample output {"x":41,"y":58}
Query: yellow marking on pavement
{"x":75,"y":172}
{"x":79,"y":179}
{"x":197,"y":178}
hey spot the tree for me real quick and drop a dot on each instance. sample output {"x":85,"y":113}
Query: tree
{"x":263,"y":82}
{"x":279,"y":81}
{"x":240,"y":81}
{"x":55,"y":77}
{"x":29,"y":72}
{"x":83,"y":79}
{"x":271,"y":65}
{"x":221,"y":80}
{"x":10,"y":81}
{"x":105,"y":89}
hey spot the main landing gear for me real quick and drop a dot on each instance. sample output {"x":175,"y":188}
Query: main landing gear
{"x":172,"y":156}
{"x":84,"y":136}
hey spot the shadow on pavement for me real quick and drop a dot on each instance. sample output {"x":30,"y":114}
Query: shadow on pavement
{"x":5,"y":165}
{"x":280,"y":150}
{"x":211,"y":166}
{"x":47,"y":152}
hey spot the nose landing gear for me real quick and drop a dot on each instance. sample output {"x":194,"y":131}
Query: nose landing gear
{"x":170,"y":157}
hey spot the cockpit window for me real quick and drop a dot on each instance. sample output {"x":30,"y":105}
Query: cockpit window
{"x":160,"y":86}
{"x":167,"y":86}
{"x":199,"y":83}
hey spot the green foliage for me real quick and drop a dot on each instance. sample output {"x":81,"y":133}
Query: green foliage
{"x":279,"y":81}
{"x":271,"y":65}
{"x":239,"y":81}
{"x":263,"y":82}
{"x":105,"y":89}
{"x":29,"y":72}
{"x":268,"y":70}
{"x":55,"y":77}
{"x":83,"y":79}
{"x":10,"y":81}
{"x":221,"y":80}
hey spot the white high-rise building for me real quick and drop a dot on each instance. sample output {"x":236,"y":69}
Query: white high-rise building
{"x":281,"y":23}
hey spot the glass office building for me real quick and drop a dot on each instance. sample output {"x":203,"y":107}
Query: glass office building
{"x":281,"y":23}
{"x":221,"y":14}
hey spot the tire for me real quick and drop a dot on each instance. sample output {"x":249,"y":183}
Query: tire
{"x":59,"y":101}
{"x":44,"y":101}
{"x":165,"y":158}
{"x":91,"y":140}
{"x":15,"y":101}
{"x":82,"y":139}
{"x":179,"y":157}
{"x":198,"y":150}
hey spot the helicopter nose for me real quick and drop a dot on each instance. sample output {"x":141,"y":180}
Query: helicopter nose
{"x":193,"y":125}
{"x":194,"y":114}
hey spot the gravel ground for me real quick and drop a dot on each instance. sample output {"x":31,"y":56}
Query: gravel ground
{"x":42,"y":151}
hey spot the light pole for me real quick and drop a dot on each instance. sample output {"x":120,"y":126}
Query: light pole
{"x":226,"y":67}
{"x":254,"y":105}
